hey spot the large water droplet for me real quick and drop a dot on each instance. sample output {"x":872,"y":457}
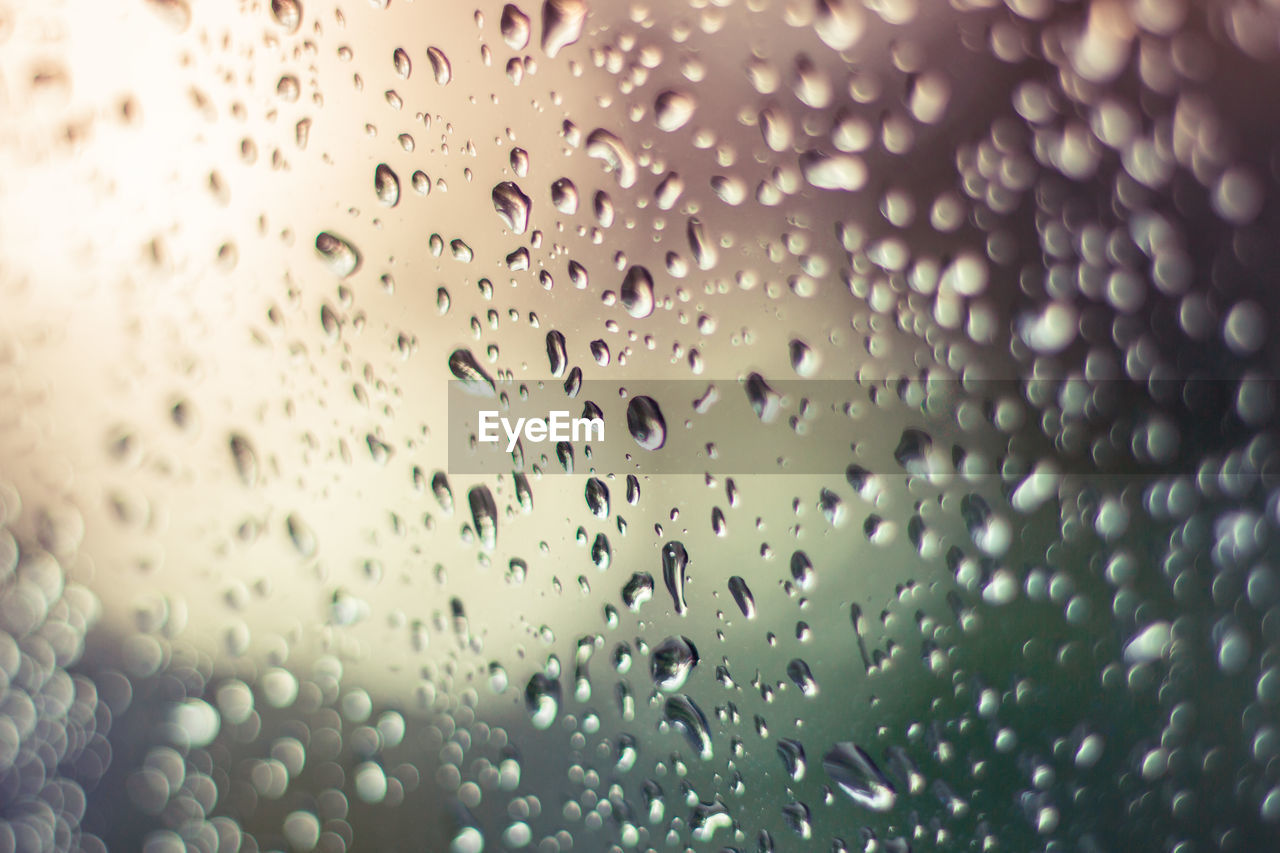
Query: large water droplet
{"x":597,"y":495}
{"x":675,"y":565}
{"x":793,"y":759}
{"x":564,"y":196}
{"x":857,"y":775}
{"x":800,"y":675}
{"x":386,"y":185}
{"x":512,"y":206}
{"x":484,"y":513}
{"x":765,"y":401}
{"x":646,"y":424}
{"x":671,"y":661}
{"x":542,"y":698}
{"x":441,"y":68}
{"x":742,"y":596}
{"x":637,"y":292}
{"x":672,"y":110}
{"x":288,"y":14}
{"x":683,"y":713}
{"x":515,"y":27}
{"x":605,"y":146}
{"x":464,"y":366}
{"x":401,"y":62}
{"x":834,"y":171}
{"x":637,"y":590}
{"x":562,"y":24}
{"x":839,"y":23}
{"x":557,"y":354}
{"x":339,"y":256}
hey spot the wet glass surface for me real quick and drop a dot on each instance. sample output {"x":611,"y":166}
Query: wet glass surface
{"x":935,"y":338}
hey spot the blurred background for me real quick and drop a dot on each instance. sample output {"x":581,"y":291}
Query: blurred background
{"x":1027,"y":246}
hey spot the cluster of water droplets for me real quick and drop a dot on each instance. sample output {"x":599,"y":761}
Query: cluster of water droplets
{"x":1033,"y":605}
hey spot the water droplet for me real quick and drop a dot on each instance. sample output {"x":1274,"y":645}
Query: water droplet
{"x":839,"y":23}
{"x":804,"y":361}
{"x":793,"y":759}
{"x":288,"y":14}
{"x":801,"y":677}
{"x":776,"y":127}
{"x":802,"y":570}
{"x":605,"y":146}
{"x":765,"y":401}
{"x":562,"y":24}
{"x":858,"y":777}
{"x":671,"y":662}
{"x":564,"y":196}
{"x":468,"y":840}
{"x":637,"y":590}
{"x":637,"y":292}
{"x":542,"y":699}
{"x":512,"y":206}
{"x":675,"y":565}
{"x":1151,"y":644}
{"x":386,"y":185}
{"x":672,"y":110}
{"x":646,"y":424}
{"x":339,"y":256}
{"x":601,"y":552}
{"x":597,"y":495}
{"x":834,"y":171}
{"x":705,"y":253}
{"x":245,"y":458}
{"x":556,"y":353}
{"x":912,"y":452}
{"x":400,"y":61}
{"x":440,"y":65}
{"x":515,"y":27}
{"x":742,"y":596}
{"x":474,"y":379}
{"x":484,"y":513}
{"x":683,"y":713}
{"x":520,"y":162}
